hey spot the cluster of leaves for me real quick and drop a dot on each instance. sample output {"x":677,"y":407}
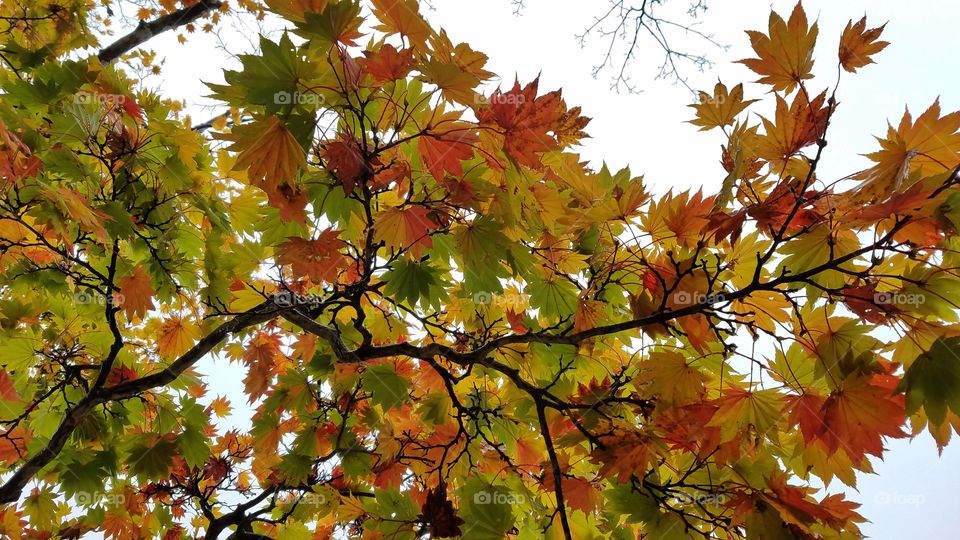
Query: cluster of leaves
{"x":451,"y":326}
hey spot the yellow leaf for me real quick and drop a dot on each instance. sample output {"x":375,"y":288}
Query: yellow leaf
{"x":402,"y":17}
{"x":175,"y":337}
{"x":857,"y":45}
{"x":721,"y":108}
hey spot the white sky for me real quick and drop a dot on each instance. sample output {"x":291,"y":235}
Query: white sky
{"x":914,"y":493}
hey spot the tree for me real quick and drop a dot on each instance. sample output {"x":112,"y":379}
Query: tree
{"x":450,"y":324}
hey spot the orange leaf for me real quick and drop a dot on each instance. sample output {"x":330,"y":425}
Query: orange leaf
{"x":531,"y":124}
{"x":929,"y":146}
{"x":13,"y":444}
{"x":220,"y":406}
{"x":344,"y":159}
{"x":7,"y":390}
{"x":387,"y":63}
{"x":260,"y":356}
{"x":860,"y":413}
{"x":406,"y":228}
{"x":319,"y":259}
{"x":136,"y":294}
{"x":442,"y":151}
{"x":857,"y":44}
{"x":796,"y":127}
{"x":580,"y":494}
{"x":268,"y":152}
{"x":402,"y":17}
{"x":16,"y":160}
{"x":175,"y":337}
{"x":785,"y":54}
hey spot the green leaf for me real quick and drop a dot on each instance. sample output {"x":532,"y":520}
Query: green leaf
{"x":636,"y":505}
{"x":385,"y":387}
{"x":193,"y":447}
{"x":268,"y":79}
{"x":486,"y":509}
{"x":555,"y":298}
{"x":434,"y":408}
{"x":933,"y":381}
{"x":151,"y":456}
{"x":415,"y":281}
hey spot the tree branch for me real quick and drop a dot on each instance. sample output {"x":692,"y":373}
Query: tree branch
{"x":146,"y":30}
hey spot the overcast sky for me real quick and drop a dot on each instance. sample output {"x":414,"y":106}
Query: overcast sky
{"x":913,"y":494}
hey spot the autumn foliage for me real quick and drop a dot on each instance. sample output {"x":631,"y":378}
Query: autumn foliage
{"x":450,"y":325}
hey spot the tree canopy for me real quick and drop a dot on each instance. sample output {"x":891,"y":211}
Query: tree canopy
{"x":451,"y":325}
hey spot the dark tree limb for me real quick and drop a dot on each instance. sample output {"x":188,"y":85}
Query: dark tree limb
{"x":146,"y":30}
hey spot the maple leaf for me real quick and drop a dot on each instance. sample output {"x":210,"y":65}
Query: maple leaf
{"x":931,"y":145}
{"x":7,"y":390}
{"x":220,"y":406}
{"x":721,"y":108}
{"x":260,"y":357}
{"x":268,"y":152}
{"x":739,"y":409}
{"x":580,"y":494}
{"x":781,"y":204}
{"x":402,"y":17}
{"x":16,"y":160}
{"x":626,"y":454}
{"x":796,"y":506}
{"x":785,"y":53}
{"x":443,"y":150}
{"x":295,"y":9}
{"x":439,"y":514}
{"x":795,"y":128}
{"x":387,"y":63}
{"x":858,"y":44}
{"x":531,"y":124}
{"x":13,"y":444}
{"x":860,"y":413}
{"x":175,"y":336}
{"x":406,"y":228}
{"x":672,"y":380}
{"x":319,"y":259}
{"x":462,"y":54}
{"x":336,"y":23}
{"x":933,"y":381}
{"x":866,"y":302}
{"x":136,"y":294}
{"x":75,"y":206}
{"x":344,"y":159}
